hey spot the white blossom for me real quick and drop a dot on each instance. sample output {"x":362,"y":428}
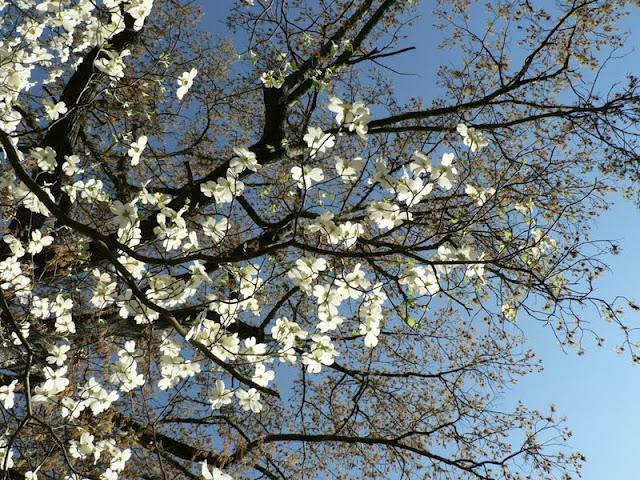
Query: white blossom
{"x":185,"y":81}
{"x":306,"y":176}
{"x":38,"y":242}
{"x":318,"y":141}
{"x":58,"y":354}
{"x":471,"y":137}
{"x":479,"y":194}
{"x":224,"y":190}
{"x":355,"y":116}
{"x":421,"y":280}
{"x":220,"y":396}
{"x":70,"y":166}
{"x":7,"y":394}
{"x":6,"y":453}
{"x":45,"y":158}
{"x":322,"y":352}
{"x":262,"y":376}
{"x":387,"y":215}
{"x":136,"y":149}
{"x":245,"y":159}
{"x":249,"y":400}
{"x":55,"y":383}
{"x":105,"y":289}
{"x":54,"y":110}
{"x":214,"y":473}
{"x":349,"y":169}
{"x":112,"y":63}
{"x":215,"y":229}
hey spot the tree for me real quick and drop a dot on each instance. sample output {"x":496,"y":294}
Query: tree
{"x":224,"y":264}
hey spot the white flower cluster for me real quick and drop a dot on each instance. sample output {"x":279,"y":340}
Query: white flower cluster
{"x":136,"y":149}
{"x":55,"y":383}
{"x":104,"y":293}
{"x":112,"y":63}
{"x":354,"y":116}
{"x":329,"y":297}
{"x":87,"y":448}
{"x":287,"y":333}
{"x":472,"y":138}
{"x":45,"y":158}
{"x":421,"y":280}
{"x":171,"y":228}
{"x":447,"y":260}
{"x":215,"y":473}
{"x":371,"y":316}
{"x":272,"y":79}
{"x":318,"y":141}
{"x":413,"y":185}
{"x":11,"y":274}
{"x":343,"y":234}
{"x":6,"y":453}
{"x":541,"y":244}
{"x":173,"y":366}
{"x":223,"y":190}
{"x":306,"y":176}
{"x":91,"y":190}
{"x":7,"y":394}
{"x":20,"y":195}
{"x":444,"y":174}
{"x":479,"y":194}
{"x":54,"y":110}
{"x":306,"y":271}
{"x":349,"y":169}
{"x":387,"y":215}
{"x":185,"y":81}
{"x":322,"y":352}
{"x":93,"y":396}
{"x":124,"y":371}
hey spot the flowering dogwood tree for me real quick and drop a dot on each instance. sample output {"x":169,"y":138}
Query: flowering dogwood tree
{"x":260,"y":264}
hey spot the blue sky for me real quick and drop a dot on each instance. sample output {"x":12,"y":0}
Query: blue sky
{"x":598,"y":391}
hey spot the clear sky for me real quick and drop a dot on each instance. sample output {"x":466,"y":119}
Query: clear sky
{"x":598,"y":391}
